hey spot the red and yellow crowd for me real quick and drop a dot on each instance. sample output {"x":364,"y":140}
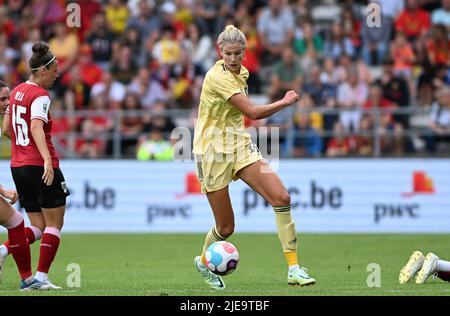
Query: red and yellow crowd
{"x":146,"y":59}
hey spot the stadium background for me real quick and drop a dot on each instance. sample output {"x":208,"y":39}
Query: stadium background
{"x":362,"y":153}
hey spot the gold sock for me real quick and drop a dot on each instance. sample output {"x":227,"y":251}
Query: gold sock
{"x":291,"y":258}
{"x":211,"y":237}
{"x":286,"y":232}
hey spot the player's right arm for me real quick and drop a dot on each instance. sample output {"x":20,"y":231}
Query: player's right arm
{"x":37,"y":131}
{"x":6,"y":126}
{"x":257,"y":112}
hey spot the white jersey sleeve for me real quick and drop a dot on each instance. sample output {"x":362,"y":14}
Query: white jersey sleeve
{"x":40,"y":107}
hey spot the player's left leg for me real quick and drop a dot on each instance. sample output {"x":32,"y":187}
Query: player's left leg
{"x":54,"y":219}
{"x":33,"y":233}
{"x":261,"y":178}
{"x":20,"y":249}
{"x":52,"y":201}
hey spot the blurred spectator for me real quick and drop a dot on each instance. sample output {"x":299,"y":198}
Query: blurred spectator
{"x":101,"y":115}
{"x":26,"y":49}
{"x":344,"y":65}
{"x":275,"y":29}
{"x":396,"y":143}
{"x":395,"y":89}
{"x":210,"y":14}
{"x":148,"y":24}
{"x":307,"y":141}
{"x":200,"y":47}
{"x":112,"y":89}
{"x":322,"y":93}
{"x":183,"y":15}
{"x":413,"y":21}
{"x":186,"y":82}
{"x":329,"y":74}
{"x":124,"y":67}
{"x":117,"y":14}
{"x":437,"y":54}
{"x":167,"y":50}
{"x":7,"y":56}
{"x":365,"y":137}
{"x":90,"y":72}
{"x":339,"y":144}
{"x":306,"y":106}
{"x":438,"y":47}
{"x":75,"y":91}
{"x":134,"y":41}
{"x":64,"y":44}
{"x":7,"y":27}
{"x":351,"y":26}
{"x":439,"y":127}
{"x":101,"y":40}
{"x":48,"y":12}
{"x":390,"y":9}
{"x":286,"y":75}
{"x":302,"y":10}
{"x":253,"y":52}
{"x":378,"y":102}
{"x":89,"y":144}
{"x":281,"y":121}
{"x":403,"y":56}
{"x":375,"y":40}
{"x":155,"y":147}
{"x":15,"y":8}
{"x":351,"y":96}
{"x":442,"y":15}
{"x":131,"y":124}
{"x":148,"y":89}
{"x":310,"y":45}
{"x":88,"y":10}
{"x":337,"y":43}
{"x":62,"y":127}
{"x":159,"y":119}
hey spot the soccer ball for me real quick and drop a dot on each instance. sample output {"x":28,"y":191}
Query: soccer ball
{"x":221,"y":258}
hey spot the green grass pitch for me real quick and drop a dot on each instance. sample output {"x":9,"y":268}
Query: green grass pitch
{"x":162,"y":264}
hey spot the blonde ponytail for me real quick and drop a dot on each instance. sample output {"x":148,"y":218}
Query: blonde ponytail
{"x":231,"y":34}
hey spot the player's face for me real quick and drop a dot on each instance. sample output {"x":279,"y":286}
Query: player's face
{"x":4,"y":100}
{"x":51,"y":74}
{"x":233,"y":54}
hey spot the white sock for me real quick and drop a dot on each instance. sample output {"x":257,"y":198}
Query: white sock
{"x":3,"y":251}
{"x":29,"y":279}
{"x":41,"y":277}
{"x":293,"y":267}
{"x":443,"y":266}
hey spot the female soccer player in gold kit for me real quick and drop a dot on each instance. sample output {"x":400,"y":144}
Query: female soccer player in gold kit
{"x":224,"y":152}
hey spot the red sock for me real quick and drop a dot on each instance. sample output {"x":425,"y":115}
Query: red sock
{"x":49,"y":247}
{"x":32,"y":234}
{"x":444,"y":276}
{"x":19,"y":247}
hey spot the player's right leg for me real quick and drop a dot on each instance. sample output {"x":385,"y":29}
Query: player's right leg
{"x":413,"y":265}
{"x":224,"y":218}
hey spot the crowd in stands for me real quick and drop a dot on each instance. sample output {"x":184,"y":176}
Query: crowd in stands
{"x":130,"y":56}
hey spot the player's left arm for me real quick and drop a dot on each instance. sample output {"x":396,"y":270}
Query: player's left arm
{"x":257,"y":112}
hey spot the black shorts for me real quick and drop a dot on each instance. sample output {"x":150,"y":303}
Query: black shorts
{"x":34,"y":194}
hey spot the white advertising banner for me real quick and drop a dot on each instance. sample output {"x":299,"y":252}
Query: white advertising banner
{"x":386,"y":195}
